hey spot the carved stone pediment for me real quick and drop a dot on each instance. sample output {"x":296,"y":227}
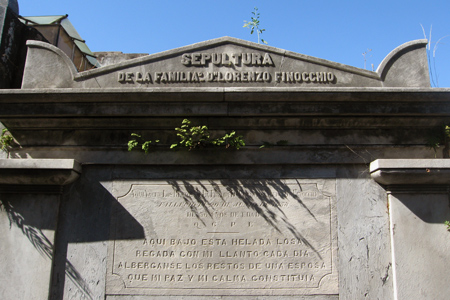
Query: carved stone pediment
{"x":226,"y":62}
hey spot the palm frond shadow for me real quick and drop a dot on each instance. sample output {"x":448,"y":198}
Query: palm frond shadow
{"x":44,"y":246}
{"x":262,"y":196}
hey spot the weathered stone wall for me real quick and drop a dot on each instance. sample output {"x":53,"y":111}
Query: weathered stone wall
{"x":362,"y":228}
{"x":304,"y":217}
{"x":113,"y":57}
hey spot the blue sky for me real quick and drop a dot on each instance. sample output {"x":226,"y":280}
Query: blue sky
{"x":339,"y":31}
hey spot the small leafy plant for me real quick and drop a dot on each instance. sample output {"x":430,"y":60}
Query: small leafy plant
{"x":138,"y":140}
{"x":231,"y":140}
{"x":447,"y":223}
{"x":254,"y":25}
{"x":6,"y":140}
{"x":434,"y":76}
{"x":440,"y":137}
{"x":192,"y":137}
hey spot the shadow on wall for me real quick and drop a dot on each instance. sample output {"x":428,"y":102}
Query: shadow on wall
{"x":435,"y":209}
{"x":42,"y":244}
{"x":262,"y":196}
{"x":81,"y":220}
{"x":87,"y":207}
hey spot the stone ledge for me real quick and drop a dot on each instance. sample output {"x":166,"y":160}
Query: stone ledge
{"x":55,"y":172}
{"x":249,"y":155}
{"x":411,"y":171}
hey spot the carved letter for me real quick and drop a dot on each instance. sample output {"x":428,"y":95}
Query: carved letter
{"x":139,"y":77}
{"x":256,"y":59}
{"x":330,"y":76}
{"x":290,"y":76}
{"x":246,"y":58}
{"x":305,"y":77}
{"x":319,"y":76}
{"x":186,"y":59}
{"x":225,"y":59}
{"x":244,"y":77}
{"x":147,"y":77}
{"x":195,"y":58}
{"x":157,"y":76}
{"x":129,"y":77}
{"x":267,"y":60}
{"x":277,"y":76}
{"x":164,"y":77}
{"x":194,"y":77}
{"x":236,"y":57}
{"x":228,"y":76}
{"x":216,"y":58}
{"x":205,"y":58}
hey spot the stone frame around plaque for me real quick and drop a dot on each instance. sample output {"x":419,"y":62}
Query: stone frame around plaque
{"x":205,"y":237}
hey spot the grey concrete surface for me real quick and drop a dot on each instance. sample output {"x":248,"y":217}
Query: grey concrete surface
{"x":418,"y":207}
{"x":320,"y":125}
{"x":365,"y":263}
{"x":225,"y":62}
{"x":39,"y":171}
{"x":28,"y":224}
{"x":92,"y":217}
{"x":421,"y":244}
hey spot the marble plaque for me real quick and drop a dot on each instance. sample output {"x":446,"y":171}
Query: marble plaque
{"x":216,"y":237}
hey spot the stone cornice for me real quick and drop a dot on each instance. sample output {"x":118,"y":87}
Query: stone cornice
{"x":414,"y":173}
{"x":38,"y":172}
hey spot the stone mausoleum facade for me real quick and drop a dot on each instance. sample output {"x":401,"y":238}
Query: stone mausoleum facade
{"x":335,"y":195}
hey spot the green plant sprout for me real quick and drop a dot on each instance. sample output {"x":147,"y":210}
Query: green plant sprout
{"x":191,"y":137}
{"x":432,"y":56}
{"x":6,"y":140}
{"x":365,"y":55}
{"x":146,"y":145}
{"x":230,"y":140}
{"x":447,"y":223}
{"x":438,"y":138}
{"x":254,"y":25}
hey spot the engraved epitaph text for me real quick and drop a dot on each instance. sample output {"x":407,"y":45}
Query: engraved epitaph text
{"x":252,"y":237}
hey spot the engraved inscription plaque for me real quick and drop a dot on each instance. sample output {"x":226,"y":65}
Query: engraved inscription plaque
{"x":224,"y":237}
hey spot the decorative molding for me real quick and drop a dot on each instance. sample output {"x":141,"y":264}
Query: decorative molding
{"x":406,"y":175}
{"x":37,"y":175}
